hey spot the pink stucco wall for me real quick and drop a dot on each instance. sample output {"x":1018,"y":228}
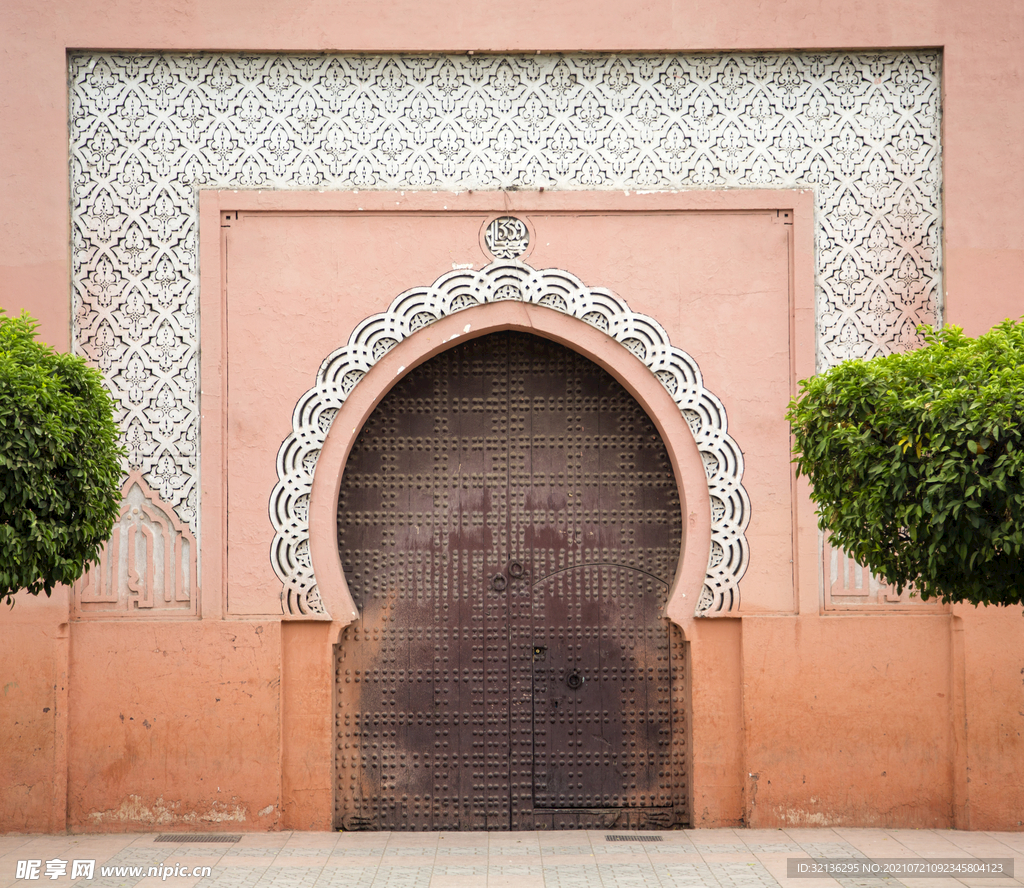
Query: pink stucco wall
{"x":202,"y":700}
{"x":799,"y":719}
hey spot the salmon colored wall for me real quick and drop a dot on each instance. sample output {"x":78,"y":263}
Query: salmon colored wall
{"x":307,"y":723}
{"x":717,"y":730}
{"x":859,"y":734}
{"x":983,"y":70}
{"x":33,"y":714}
{"x":174,"y":724}
{"x":993,"y":714}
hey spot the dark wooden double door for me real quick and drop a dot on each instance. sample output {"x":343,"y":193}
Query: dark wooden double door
{"x":509,"y":525}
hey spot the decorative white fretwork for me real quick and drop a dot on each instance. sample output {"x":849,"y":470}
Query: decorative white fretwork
{"x":147,"y":567}
{"x":458,"y":290}
{"x":148,"y":130}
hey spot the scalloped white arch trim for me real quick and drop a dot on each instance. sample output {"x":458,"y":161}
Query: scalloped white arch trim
{"x":458,"y":290}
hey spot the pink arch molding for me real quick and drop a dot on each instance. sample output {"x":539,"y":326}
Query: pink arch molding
{"x":551,"y":303}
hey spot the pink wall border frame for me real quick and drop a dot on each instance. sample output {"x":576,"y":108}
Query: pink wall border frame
{"x":216,"y":205}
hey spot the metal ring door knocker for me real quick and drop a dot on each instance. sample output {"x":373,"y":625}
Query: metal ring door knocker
{"x":498,"y":583}
{"x":516,"y":570}
{"x":574,"y":679}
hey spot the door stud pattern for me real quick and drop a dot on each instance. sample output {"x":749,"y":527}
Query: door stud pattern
{"x":509,"y":524}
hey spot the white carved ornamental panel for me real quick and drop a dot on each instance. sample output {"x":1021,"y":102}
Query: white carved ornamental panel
{"x":849,"y":586}
{"x":147,"y":568}
{"x":148,"y":130}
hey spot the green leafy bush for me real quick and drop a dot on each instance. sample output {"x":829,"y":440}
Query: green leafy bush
{"x":917,"y":463}
{"x":59,"y":463}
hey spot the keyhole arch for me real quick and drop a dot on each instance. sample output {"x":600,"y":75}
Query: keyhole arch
{"x":504,"y":497}
{"x":687,"y":463}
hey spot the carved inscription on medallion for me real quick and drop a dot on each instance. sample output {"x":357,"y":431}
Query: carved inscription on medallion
{"x":507,"y":237}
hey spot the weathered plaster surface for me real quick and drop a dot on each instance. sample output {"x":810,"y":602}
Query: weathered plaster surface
{"x":174,"y":723}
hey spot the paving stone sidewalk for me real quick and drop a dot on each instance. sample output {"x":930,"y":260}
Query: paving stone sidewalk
{"x":721,"y":858}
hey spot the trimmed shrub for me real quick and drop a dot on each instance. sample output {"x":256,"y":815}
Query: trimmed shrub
{"x":916,"y":462}
{"x":60,"y":471}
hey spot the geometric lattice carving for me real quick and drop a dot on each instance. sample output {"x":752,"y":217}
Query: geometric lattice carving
{"x":848,"y":585}
{"x":147,"y":130}
{"x":147,"y":567}
{"x":457,"y":290}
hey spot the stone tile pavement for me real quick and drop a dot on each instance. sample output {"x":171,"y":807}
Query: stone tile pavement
{"x":721,"y":858}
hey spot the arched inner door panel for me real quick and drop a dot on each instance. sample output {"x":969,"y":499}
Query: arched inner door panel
{"x":509,"y":526}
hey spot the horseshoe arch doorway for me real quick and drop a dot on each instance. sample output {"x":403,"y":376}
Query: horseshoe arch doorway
{"x":509,"y":526}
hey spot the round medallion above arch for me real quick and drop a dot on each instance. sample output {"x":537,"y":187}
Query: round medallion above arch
{"x":508,"y":294}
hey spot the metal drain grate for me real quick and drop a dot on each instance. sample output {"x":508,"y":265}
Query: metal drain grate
{"x":632,"y":838}
{"x":220,"y":838}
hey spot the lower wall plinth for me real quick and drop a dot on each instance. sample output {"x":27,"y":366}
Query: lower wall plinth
{"x":174,"y":725}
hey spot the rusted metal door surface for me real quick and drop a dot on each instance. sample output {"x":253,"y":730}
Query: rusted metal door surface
{"x":509,"y":526}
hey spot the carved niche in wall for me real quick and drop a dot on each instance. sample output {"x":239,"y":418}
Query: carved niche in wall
{"x":147,"y":568}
